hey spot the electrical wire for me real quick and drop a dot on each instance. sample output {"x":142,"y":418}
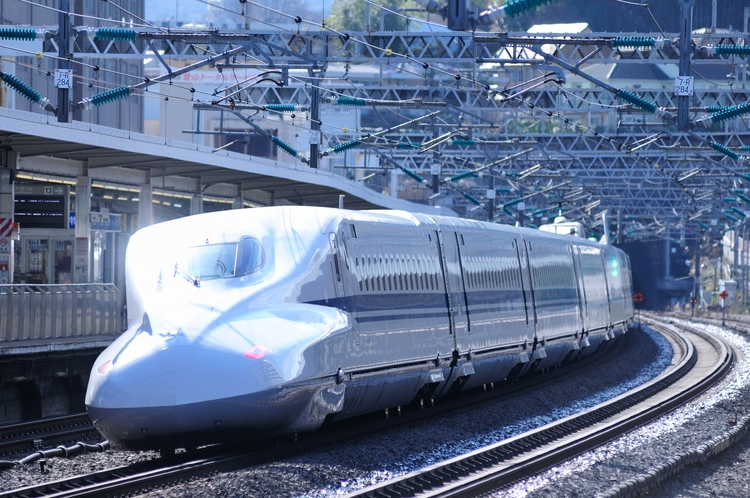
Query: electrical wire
{"x":85,"y":16}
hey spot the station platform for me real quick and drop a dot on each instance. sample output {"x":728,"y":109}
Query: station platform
{"x":50,"y":336}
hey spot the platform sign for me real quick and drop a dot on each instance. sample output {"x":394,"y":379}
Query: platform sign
{"x":4,"y":266}
{"x":105,"y":222}
{"x":683,"y":86}
{"x":4,"y":245}
{"x":724,"y":294}
{"x":64,"y":78}
{"x":638,"y":297}
{"x":41,"y":206}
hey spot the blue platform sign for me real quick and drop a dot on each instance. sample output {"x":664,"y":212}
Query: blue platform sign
{"x":72,"y":219}
{"x":105,"y":222}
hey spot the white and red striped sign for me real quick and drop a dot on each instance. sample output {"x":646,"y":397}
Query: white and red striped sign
{"x":6,"y":227}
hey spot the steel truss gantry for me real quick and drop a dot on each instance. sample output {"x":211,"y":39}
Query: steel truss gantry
{"x":638,"y":165}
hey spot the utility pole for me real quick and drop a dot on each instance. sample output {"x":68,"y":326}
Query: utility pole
{"x":697,"y":286}
{"x":64,"y":51}
{"x":491,"y":198}
{"x":686,"y":51}
{"x":318,"y":51}
{"x":315,"y":122}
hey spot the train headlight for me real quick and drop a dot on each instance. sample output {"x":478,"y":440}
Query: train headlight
{"x":105,"y":367}
{"x":257,"y":352}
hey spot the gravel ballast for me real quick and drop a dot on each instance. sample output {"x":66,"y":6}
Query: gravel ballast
{"x":342,"y":468}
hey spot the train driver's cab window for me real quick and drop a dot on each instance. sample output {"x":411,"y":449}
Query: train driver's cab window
{"x":208,"y":262}
{"x":250,"y":256}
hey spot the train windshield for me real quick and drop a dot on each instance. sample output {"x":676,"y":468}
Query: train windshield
{"x":207,"y":262}
{"x":215,"y":261}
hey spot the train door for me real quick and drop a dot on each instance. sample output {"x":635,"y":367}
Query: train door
{"x":454,"y":285}
{"x":581,"y":290}
{"x":522,"y":253}
{"x":338,"y":272}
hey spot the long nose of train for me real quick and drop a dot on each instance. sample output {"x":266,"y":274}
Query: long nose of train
{"x":171,"y":390}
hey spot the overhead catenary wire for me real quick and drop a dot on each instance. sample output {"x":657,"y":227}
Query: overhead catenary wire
{"x":538,"y":118}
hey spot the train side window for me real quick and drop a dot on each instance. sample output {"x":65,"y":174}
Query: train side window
{"x":410,"y":265}
{"x":354,"y":231}
{"x":251,"y":256}
{"x":420,"y":274}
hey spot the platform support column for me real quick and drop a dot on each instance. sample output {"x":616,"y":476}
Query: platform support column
{"x":6,"y":222}
{"x":196,"y":204}
{"x":82,"y":251}
{"x":146,"y":206}
{"x":238,"y":202}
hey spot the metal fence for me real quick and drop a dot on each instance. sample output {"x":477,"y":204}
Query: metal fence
{"x":29,"y":312}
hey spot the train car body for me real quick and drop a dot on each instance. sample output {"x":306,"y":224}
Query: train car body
{"x":261,"y":321}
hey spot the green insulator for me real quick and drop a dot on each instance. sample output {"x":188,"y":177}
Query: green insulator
{"x":503,"y":190}
{"x":735,"y":210}
{"x":634,"y":41}
{"x":713,"y":109}
{"x":731,"y":112}
{"x":414,"y":175}
{"x":745,"y":147}
{"x":281,"y":107}
{"x":462,"y":175}
{"x":115,"y":34}
{"x":738,"y":50}
{"x":531,"y":225}
{"x":21,"y":87}
{"x":516,"y":7}
{"x":110,"y":96}
{"x":409,"y":145}
{"x":285,"y":146}
{"x":727,"y":152}
{"x":472,"y":199}
{"x":13,"y":33}
{"x":352,"y":101}
{"x":637,"y":101}
{"x":463,"y":141}
{"x":704,"y":226}
{"x":730,"y":199}
{"x":731,"y":217}
{"x":745,"y":198}
{"x":345,"y":146}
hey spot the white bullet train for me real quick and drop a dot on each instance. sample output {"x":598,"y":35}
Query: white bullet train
{"x":255,"y":322}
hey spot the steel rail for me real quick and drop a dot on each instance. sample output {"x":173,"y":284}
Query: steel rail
{"x":28,"y":435}
{"x":505,"y":462}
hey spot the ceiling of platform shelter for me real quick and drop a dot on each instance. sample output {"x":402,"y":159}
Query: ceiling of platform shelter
{"x":122,"y":161}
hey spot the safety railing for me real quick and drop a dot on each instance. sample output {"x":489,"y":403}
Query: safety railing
{"x":29,"y":312}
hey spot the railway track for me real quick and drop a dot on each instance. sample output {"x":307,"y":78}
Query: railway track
{"x":700,"y":361}
{"x":34,"y":434}
{"x":146,"y":475}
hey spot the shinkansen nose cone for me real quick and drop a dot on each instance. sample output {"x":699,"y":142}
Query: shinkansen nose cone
{"x":214,"y":381}
{"x":149,"y":391}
